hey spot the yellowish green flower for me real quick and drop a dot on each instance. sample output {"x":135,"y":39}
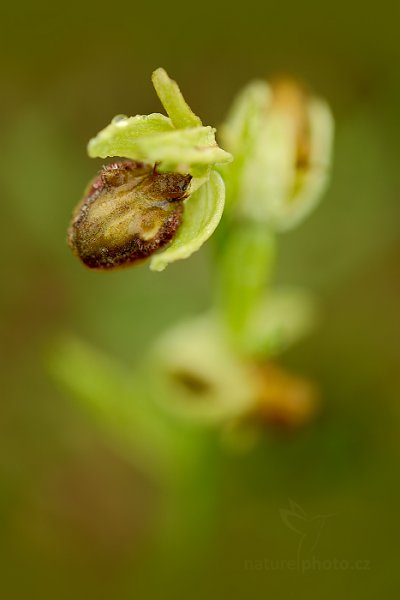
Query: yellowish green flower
{"x":164,"y":194}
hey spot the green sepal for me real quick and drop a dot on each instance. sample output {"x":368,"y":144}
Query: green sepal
{"x":282,"y":318}
{"x":172,"y":100}
{"x":152,"y":139}
{"x":202,"y":213}
{"x":120,"y":137}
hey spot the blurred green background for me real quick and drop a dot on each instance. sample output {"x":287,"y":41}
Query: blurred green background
{"x":76,"y":520}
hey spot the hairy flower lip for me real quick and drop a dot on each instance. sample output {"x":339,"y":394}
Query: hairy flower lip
{"x":103,"y":179}
{"x":129,"y":212}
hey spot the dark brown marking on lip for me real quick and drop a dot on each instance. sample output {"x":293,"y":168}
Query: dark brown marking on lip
{"x":129,"y":211}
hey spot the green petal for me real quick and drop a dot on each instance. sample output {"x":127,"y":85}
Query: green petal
{"x":202,"y":213}
{"x":239,"y":134}
{"x":245,"y":118}
{"x":172,"y":100}
{"x":195,"y":146}
{"x":120,"y":137}
{"x":311,"y":186}
{"x":153,"y":139}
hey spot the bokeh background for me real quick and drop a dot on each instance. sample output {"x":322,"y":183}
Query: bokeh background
{"x":76,"y":519}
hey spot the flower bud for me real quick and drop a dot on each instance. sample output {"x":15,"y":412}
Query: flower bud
{"x":128,"y":213}
{"x":281,"y":137}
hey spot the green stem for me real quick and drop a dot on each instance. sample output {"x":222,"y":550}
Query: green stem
{"x":246,"y":262}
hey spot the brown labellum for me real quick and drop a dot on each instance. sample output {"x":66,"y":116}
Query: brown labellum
{"x":129,"y":212}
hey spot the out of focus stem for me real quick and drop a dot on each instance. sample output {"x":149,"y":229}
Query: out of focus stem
{"x":246,"y":263}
